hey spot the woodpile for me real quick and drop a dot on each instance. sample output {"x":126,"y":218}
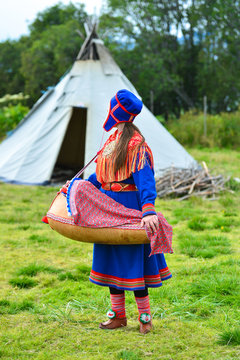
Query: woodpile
{"x":184,"y":183}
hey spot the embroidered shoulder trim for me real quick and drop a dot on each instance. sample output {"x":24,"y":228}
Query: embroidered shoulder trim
{"x":136,"y":158}
{"x":135,"y":140}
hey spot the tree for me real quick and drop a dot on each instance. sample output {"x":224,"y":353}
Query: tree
{"x":57,"y":15}
{"x":54,"y":46}
{"x":219,"y":65}
{"x":181,"y":49}
{"x":148,"y":50}
{"x":49,"y":57}
{"x":12,"y":80}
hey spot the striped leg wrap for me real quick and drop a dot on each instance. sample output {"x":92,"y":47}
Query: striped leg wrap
{"x":118,"y":304}
{"x":143,"y":306}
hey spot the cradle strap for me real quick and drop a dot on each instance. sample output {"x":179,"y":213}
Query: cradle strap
{"x":84,"y":168}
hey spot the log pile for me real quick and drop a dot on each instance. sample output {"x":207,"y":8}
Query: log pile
{"x":184,"y":183}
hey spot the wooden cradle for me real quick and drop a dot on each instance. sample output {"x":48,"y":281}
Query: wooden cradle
{"x":59,"y":221}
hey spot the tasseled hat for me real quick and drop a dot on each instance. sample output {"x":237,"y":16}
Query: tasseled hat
{"x":124,"y":107}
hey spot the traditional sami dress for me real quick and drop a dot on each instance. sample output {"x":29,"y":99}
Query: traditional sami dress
{"x":128,"y":267}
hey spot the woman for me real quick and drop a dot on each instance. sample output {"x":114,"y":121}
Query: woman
{"x":125,"y":172}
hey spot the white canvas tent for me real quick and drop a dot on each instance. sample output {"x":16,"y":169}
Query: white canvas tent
{"x":64,"y":127}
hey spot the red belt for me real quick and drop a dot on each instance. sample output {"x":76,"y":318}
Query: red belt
{"x":117,"y":187}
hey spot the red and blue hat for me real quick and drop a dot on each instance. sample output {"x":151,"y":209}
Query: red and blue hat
{"x":124,"y":107}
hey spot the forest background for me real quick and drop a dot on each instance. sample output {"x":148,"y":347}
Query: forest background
{"x":175,"y":53}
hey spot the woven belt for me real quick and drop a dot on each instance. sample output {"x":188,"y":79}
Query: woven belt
{"x":117,"y":187}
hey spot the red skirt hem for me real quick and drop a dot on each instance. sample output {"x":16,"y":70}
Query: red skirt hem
{"x":130,"y":284}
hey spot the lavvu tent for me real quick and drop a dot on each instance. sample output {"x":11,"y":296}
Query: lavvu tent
{"x":64,"y":127}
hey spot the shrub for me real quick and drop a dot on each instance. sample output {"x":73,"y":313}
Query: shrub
{"x":12,"y":111}
{"x":233,"y":184}
{"x":10,"y":117}
{"x":223,"y":130}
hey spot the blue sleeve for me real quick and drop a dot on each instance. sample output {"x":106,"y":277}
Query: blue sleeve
{"x":145,"y":182}
{"x":93,"y":179}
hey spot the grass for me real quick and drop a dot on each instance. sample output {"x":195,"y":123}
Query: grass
{"x":23,"y":282}
{"x":230,"y":337}
{"x":218,"y":160}
{"x":7,"y":307}
{"x":221,"y":289}
{"x":203,"y":246}
{"x":48,"y":307}
{"x":129,"y":355}
{"x":197,"y":223}
{"x":34,"y":268}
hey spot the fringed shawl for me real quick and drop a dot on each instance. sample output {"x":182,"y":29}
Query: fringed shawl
{"x":136,"y":158}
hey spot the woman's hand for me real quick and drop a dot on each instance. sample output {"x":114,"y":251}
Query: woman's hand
{"x":151,"y":222}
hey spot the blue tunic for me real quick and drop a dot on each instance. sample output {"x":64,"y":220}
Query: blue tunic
{"x":129,"y":267}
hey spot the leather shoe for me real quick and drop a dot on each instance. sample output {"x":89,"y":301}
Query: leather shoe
{"x":146,"y":328}
{"x":113,"y":323}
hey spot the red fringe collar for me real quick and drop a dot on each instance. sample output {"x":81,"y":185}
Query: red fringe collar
{"x":135,"y":160}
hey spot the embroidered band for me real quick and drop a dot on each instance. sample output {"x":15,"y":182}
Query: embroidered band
{"x":111,"y":314}
{"x":118,"y":186}
{"x":148,"y":209}
{"x":145,"y":318}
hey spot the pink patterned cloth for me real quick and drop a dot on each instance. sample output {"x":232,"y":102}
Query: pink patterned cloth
{"x":91,"y":208}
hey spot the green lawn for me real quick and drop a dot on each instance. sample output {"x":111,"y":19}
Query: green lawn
{"x":50,"y":310}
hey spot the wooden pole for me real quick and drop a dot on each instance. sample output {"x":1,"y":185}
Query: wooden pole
{"x":205,"y":116}
{"x":151,"y":101}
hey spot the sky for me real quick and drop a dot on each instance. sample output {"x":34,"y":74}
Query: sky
{"x":16,"y":15}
